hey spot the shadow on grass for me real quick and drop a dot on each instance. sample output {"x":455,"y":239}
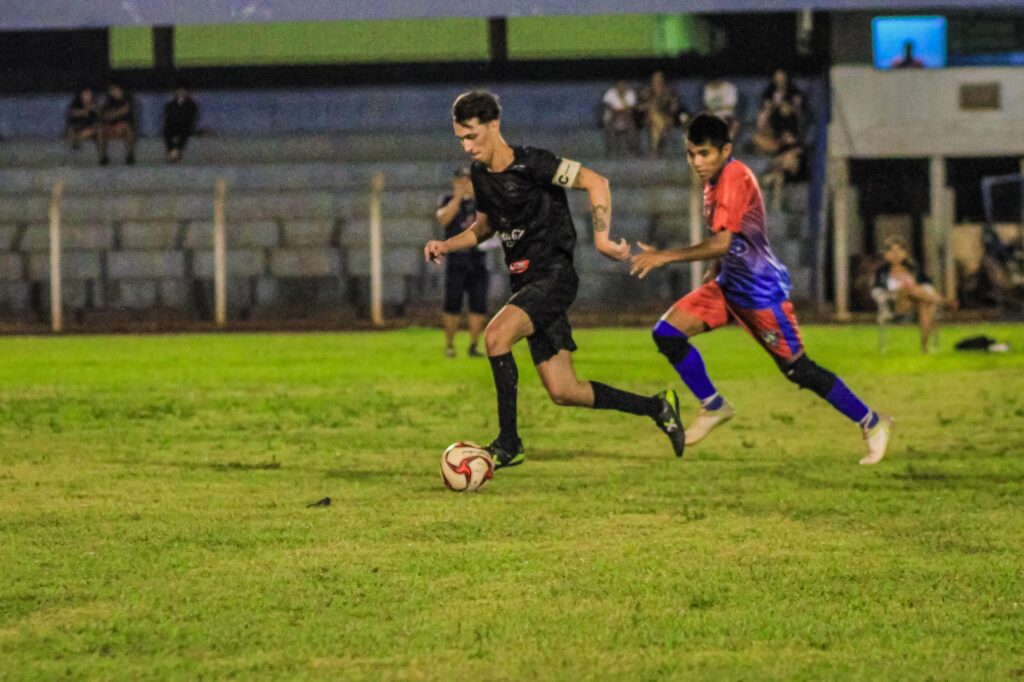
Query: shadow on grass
{"x":968,"y":480}
{"x":364,"y":475}
{"x":272,"y":465}
{"x":569,"y":455}
{"x":907,"y":477}
{"x":245,"y":466}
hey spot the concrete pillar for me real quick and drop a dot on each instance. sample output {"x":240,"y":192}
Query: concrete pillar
{"x":56,"y":296}
{"x":949,"y":263}
{"x":839,"y":180}
{"x":938,"y":244}
{"x":696,"y":228}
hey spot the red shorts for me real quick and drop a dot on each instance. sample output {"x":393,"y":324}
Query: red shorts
{"x":775,"y":328}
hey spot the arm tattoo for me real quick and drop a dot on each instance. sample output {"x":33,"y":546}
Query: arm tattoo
{"x":600,"y":216}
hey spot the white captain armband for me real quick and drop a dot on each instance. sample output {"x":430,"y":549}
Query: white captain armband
{"x":566,"y":174}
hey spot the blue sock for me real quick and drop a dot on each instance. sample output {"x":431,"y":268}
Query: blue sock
{"x":691,"y":369}
{"x":844,"y":400}
{"x":713,"y":403}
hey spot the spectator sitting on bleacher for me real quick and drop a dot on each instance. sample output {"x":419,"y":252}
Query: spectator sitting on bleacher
{"x":661,"y":109}
{"x":117,"y":121}
{"x":781,"y":89}
{"x":180,"y":114}
{"x":83,"y":114}
{"x":619,"y":120}
{"x":789,"y":165}
{"x":721,"y":98}
{"x":900,"y":287}
{"x":782,"y":110}
{"x":781,"y":122}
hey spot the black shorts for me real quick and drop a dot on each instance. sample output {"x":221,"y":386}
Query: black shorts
{"x":465,"y":280}
{"x":175,"y":140}
{"x":546,"y":301}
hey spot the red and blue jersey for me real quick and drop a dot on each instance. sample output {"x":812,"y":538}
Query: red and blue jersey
{"x":751,"y":275}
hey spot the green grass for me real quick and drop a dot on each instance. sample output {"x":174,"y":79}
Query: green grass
{"x":153,"y":519}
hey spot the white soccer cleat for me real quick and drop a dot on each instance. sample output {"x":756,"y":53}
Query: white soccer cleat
{"x":877,"y":439}
{"x":708,"y":420}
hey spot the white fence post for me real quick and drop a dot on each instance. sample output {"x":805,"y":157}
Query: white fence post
{"x":839,"y":188}
{"x":696,"y":226}
{"x":56,"y":297}
{"x":376,"y":249}
{"x":220,"y":294}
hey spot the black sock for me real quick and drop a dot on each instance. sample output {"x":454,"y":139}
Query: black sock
{"x":506,"y":382}
{"x":608,"y":398}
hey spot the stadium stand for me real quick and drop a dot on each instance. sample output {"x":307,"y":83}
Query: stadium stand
{"x":298,"y":166}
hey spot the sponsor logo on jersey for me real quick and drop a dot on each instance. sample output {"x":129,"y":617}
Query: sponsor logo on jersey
{"x":737,"y":247}
{"x":518,"y":267}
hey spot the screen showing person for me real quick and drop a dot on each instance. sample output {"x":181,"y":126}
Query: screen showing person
{"x":909,"y":42}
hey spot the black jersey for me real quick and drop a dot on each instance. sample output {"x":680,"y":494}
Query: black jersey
{"x":465,"y":217}
{"x":527,"y":208}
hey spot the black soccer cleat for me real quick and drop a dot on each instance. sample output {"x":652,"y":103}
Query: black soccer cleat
{"x":506,"y":455}
{"x":669,"y":422}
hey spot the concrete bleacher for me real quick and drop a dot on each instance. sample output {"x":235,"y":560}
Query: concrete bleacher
{"x":371,"y":109}
{"x":140,"y":237}
{"x":297,"y":210}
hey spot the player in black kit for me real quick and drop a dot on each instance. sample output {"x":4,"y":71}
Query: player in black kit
{"x":520,"y":195}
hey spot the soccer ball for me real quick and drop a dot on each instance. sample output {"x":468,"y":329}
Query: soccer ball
{"x":465,"y":467}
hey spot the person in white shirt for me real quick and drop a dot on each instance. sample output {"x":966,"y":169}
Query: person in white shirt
{"x":720,"y":99}
{"x":619,"y":120}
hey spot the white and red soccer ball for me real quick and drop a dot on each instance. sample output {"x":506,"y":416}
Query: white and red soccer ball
{"x":465,"y":467}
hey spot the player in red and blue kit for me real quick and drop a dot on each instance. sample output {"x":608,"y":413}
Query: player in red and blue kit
{"x":748,"y":284}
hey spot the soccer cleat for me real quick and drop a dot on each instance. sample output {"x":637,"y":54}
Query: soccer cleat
{"x":668,"y":420}
{"x":474,"y":353}
{"x":707,"y":420}
{"x":506,"y":455}
{"x":877,"y":439}
{"x":449,"y":352}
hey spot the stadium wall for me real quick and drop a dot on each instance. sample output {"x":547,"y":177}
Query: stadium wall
{"x":412,"y":40}
{"x":915,"y":113}
{"x":540,"y":49}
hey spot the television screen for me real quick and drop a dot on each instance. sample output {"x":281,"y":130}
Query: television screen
{"x":909,"y":42}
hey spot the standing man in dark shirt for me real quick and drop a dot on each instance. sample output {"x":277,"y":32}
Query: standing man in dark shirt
{"x":465,"y":273}
{"x":520,"y":195}
{"x":180,"y":115}
{"x":117,"y":120}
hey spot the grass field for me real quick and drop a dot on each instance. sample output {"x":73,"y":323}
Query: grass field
{"x":153,"y":518}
